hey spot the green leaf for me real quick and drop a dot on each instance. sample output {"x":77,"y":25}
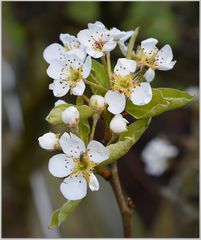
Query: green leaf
{"x":100,"y":75}
{"x":62,"y":213}
{"x":164,"y":99}
{"x":84,"y":130}
{"x":54,"y":117}
{"x":127,"y":140}
{"x":175,"y":97}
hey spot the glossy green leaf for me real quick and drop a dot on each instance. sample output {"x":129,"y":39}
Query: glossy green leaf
{"x":127,"y":140}
{"x":54,"y":117}
{"x":62,"y":213}
{"x":164,"y":99}
{"x":101,"y":74}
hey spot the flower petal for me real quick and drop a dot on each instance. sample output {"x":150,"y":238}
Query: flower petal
{"x":60,"y":165}
{"x":93,"y":182}
{"x":95,"y":25}
{"x":72,"y":145}
{"x":141,"y":94}
{"x":78,"y":90}
{"x":125,"y":66}
{"x":69,"y":40}
{"x":80,"y":53}
{"x":126,"y":36}
{"x":149,"y":46}
{"x":84,"y":37}
{"x":57,"y":70}
{"x":165,"y":54}
{"x":59,"y":88}
{"x":116,"y":101}
{"x":149,"y":75}
{"x":54,"y":51}
{"x":109,"y":46}
{"x":86,"y":67}
{"x":123,"y":48}
{"x":97,"y":152}
{"x":94,"y":53}
{"x":74,"y":187}
{"x":166,"y":66}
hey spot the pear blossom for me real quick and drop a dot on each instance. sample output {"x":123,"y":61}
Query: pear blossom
{"x":76,"y":164}
{"x":69,"y":75}
{"x":156,"y":155}
{"x":70,"y":116}
{"x":118,"y":124}
{"x":49,"y":141}
{"x":71,"y":45}
{"x":96,"y":40}
{"x":97,"y":103}
{"x":149,"y":55}
{"x":124,"y":86}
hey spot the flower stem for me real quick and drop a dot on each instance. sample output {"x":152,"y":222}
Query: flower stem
{"x":124,"y":205}
{"x":86,"y":99}
{"x":96,"y":117}
{"x":109,"y":67}
{"x":100,"y":88}
{"x":103,"y":61}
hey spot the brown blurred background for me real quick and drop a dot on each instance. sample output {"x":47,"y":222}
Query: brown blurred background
{"x":165,"y":205}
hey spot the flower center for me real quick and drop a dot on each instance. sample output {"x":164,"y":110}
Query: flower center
{"x":123,"y":84}
{"x":147,"y":58}
{"x":75,"y":76}
{"x":98,"y":45}
{"x":84,"y":166}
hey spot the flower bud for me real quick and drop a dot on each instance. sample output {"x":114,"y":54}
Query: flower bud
{"x":97,"y":103}
{"x":49,"y":141}
{"x":59,"y":102}
{"x":70,"y":116}
{"x":118,"y":124}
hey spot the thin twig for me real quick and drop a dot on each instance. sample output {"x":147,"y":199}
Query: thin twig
{"x":125,"y":206}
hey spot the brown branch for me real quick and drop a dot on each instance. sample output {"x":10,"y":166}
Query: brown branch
{"x":125,"y":205}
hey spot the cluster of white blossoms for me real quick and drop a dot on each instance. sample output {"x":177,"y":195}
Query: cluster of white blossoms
{"x":70,"y":67}
{"x":156,"y":155}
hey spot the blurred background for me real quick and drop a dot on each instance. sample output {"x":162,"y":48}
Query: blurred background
{"x":166,"y":192}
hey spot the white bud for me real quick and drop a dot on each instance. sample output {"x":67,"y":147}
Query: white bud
{"x":97,"y":103}
{"x":59,"y":102}
{"x":49,"y":141}
{"x":118,"y":124}
{"x":70,"y":116}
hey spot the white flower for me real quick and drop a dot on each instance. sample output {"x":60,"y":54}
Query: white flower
{"x":77,"y":165}
{"x":59,"y":102}
{"x":124,"y":86}
{"x":156,"y":155}
{"x":120,"y":36}
{"x":118,"y":124}
{"x":49,"y":141}
{"x":97,"y":103}
{"x":154,"y":58}
{"x":69,"y":74}
{"x":57,"y":51}
{"x":70,"y":116}
{"x":96,"y":39}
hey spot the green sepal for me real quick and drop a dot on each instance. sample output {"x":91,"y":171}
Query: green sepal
{"x":59,"y":215}
{"x":164,"y":99}
{"x":54,"y":117}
